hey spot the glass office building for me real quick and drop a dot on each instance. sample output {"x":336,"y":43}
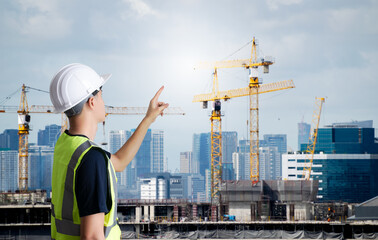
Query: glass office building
{"x":342,"y":139}
{"x":345,"y":163}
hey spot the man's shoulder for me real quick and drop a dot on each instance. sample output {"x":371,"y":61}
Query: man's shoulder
{"x":96,"y":153}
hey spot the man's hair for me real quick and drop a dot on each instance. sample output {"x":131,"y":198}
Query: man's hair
{"x":76,"y":110}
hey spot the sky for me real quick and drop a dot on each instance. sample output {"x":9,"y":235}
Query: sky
{"x":328,"y":48}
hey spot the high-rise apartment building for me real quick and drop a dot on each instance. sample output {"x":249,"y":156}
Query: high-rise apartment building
{"x":236,"y":165}
{"x":49,"y":135}
{"x":303,"y":133}
{"x":271,"y":149}
{"x":116,"y":140}
{"x":9,"y":140}
{"x":275,"y":140}
{"x":185,"y":162}
{"x":142,"y":160}
{"x":241,"y":163}
{"x":208,"y":185}
{"x":270,"y":163}
{"x":157,"y":151}
{"x":40,"y":167}
{"x":8,"y":170}
{"x":229,"y":146}
{"x":346,"y":161}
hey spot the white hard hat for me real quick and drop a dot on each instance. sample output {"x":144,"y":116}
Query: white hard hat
{"x":73,"y":84}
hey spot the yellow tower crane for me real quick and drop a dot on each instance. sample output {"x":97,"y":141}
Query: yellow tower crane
{"x":24,"y":120}
{"x":313,"y":138}
{"x":253,"y":90}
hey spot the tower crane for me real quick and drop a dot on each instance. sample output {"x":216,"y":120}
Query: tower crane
{"x":24,"y":120}
{"x":253,"y":90}
{"x":312,"y":139}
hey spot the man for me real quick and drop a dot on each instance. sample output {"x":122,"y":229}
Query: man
{"x":84,"y":194}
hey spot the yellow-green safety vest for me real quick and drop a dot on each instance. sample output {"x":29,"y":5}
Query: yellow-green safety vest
{"x":65,"y":218}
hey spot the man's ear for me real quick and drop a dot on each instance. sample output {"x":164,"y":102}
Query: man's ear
{"x":91,"y":102}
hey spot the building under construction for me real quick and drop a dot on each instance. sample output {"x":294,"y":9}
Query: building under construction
{"x":281,"y":199}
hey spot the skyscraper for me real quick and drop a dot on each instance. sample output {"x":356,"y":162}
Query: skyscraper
{"x":142,"y":159}
{"x":270,"y":163}
{"x":157,"y":147}
{"x":236,"y":165}
{"x":9,"y":139}
{"x":208,"y":185}
{"x":40,"y":167}
{"x":229,"y":146}
{"x":185,"y":162}
{"x":8,"y":170}
{"x":49,"y":135}
{"x":241,"y":158}
{"x":201,"y":153}
{"x":271,"y":158}
{"x":303,"y":133}
{"x":116,"y":141}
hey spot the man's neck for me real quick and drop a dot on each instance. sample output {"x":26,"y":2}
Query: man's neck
{"x":82,"y":127}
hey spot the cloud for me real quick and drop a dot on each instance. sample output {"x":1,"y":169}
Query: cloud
{"x":141,"y":9}
{"x":39,"y":19}
{"x":347,"y":20}
{"x":274,"y":4}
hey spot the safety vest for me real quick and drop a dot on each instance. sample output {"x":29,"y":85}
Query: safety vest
{"x":65,"y":218}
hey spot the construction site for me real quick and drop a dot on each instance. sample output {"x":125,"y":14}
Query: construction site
{"x":255,"y":208}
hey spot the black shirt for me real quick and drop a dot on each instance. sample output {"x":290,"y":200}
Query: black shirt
{"x":91,"y":186}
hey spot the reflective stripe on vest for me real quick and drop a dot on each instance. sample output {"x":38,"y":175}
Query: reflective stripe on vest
{"x":66,"y":225}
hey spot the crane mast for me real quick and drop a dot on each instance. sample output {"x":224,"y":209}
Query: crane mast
{"x":254,"y":152}
{"x":23,"y":133}
{"x":312,"y":139}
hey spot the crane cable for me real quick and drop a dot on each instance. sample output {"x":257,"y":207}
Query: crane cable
{"x":12,"y":94}
{"x":237,"y":50}
{"x":36,"y":89}
{"x":9,"y":97}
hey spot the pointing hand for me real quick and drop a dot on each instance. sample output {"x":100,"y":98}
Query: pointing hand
{"x":156,"y":108}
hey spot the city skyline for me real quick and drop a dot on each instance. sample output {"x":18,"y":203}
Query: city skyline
{"x":324,"y":47}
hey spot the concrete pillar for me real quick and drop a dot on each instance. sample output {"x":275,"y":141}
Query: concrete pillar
{"x":175,"y":213}
{"x":152,"y":213}
{"x":145,"y":217}
{"x":290,"y":212}
{"x":194,"y":212}
{"x":253,"y":211}
{"x":183,"y":211}
{"x":138,"y":214}
{"x":214,"y":213}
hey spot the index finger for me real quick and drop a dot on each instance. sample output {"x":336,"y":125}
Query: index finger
{"x":158,"y":93}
